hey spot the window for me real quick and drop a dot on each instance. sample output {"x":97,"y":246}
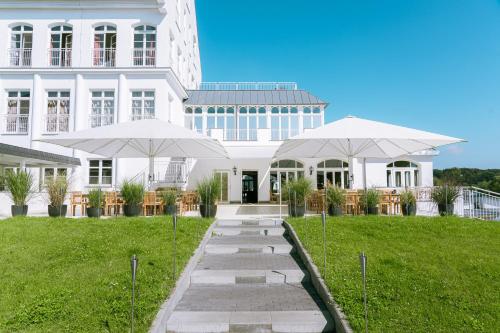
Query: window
{"x":21,"y":43}
{"x":262,"y":117}
{"x":104,"y":53}
{"x":144,"y":53}
{"x":284,"y":122}
{"x":18,"y":109}
{"x":223,"y":176}
{"x":51,"y":174}
{"x":332,"y":172}
{"x":57,"y":118}
{"x":61,"y":43}
{"x":100,"y":172}
{"x":311,"y":117}
{"x":193,"y":119}
{"x":281,"y":172}
{"x":103,"y":108}
{"x":247,"y":124}
{"x":143,"y":104}
{"x":402,"y":174}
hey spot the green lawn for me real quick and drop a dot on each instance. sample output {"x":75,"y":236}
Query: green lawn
{"x":67,"y":275}
{"x":423,"y":275}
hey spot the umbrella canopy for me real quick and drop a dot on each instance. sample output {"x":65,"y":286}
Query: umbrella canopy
{"x":143,"y":138}
{"x":353,"y":137}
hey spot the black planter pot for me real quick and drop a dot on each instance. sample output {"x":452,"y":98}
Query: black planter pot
{"x":296,"y":210}
{"x":372,"y":210}
{"x":409,"y":210}
{"x":94,"y":212}
{"x":208,"y":210}
{"x":132,"y":210}
{"x":334,"y":210}
{"x":445,"y":209}
{"x":19,"y":210}
{"x":57,"y":211}
{"x":169,"y":209}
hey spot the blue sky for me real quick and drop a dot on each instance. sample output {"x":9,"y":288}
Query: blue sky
{"x":432,"y":65}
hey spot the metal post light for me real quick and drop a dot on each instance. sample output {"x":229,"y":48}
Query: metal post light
{"x":362,"y":262}
{"x":134,"y":262}
{"x":323,"y":221}
{"x":174,"y":221}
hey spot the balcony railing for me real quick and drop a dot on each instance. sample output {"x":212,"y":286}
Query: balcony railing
{"x":240,"y":134}
{"x":20,"y":57}
{"x":16,"y":124}
{"x":104,"y":57}
{"x":144,"y":57}
{"x":55,"y":123}
{"x":248,"y":86}
{"x":60,"y":57}
{"x":98,"y":120}
{"x":134,"y":117}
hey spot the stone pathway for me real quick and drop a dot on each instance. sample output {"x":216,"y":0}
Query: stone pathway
{"x":249,"y":280}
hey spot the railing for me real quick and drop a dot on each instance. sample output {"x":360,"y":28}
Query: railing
{"x":248,"y":86}
{"x":55,"y":123}
{"x":16,"y":124}
{"x":60,"y":57}
{"x":134,"y":117}
{"x":104,"y":57}
{"x":20,"y":57}
{"x":172,"y":173}
{"x":144,"y":57}
{"x":99,"y":120}
{"x":479,"y":203}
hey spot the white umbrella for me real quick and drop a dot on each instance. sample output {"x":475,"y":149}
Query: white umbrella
{"x":147,"y":138}
{"x":353,"y":137}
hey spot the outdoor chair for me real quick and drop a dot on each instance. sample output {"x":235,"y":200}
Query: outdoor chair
{"x":352,"y":203}
{"x":77,"y":200}
{"x":149,"y":203}
{"x":386,"y":203}
{"x":112,"y":202}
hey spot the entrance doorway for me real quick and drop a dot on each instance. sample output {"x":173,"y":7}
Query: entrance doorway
{"x":249,"y":187}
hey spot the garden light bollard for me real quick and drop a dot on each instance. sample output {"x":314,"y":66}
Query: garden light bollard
{"x":323,"y":221}
{"x":362,"y":262}
{"x":134,"y":262}
{"x":174,"y":220}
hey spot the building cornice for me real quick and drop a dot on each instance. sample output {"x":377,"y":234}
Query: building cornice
{"x":159,"y":5}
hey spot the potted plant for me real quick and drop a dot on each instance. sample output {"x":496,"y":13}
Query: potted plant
{"x":408,"y":203}
{"x":20,"y":186}
{"x":369,"y":201}
{"x":445,"y":196}
{"x":296,"y":193}
{"x":95,"y":202}
{"x":57,"y":190}
{"x":208,"y":190}
{"x":169,"y":198}
{"x":133,"y":196}
{"x":335,"y":197}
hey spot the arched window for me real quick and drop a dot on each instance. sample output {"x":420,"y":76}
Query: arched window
{"x":144,"y":53}
{"x":21,"y":42}
{"x":283,"y":171}
{"x":247,"y":124}
{"x":332,"y":172}
{"x":193,"y":118}
{"x":61,"y":43}
{"x":104,"y":46}
{"x":402,"y":174}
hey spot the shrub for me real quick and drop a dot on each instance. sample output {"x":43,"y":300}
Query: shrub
{"x":446,"y":194}
{"x":407,"y":198}
{"x":132,"y":193}
{"x":57,"y":190}
{"x":20,"y":186}
{"x":335,"y":196}
{"x":169,"y":197}
{"x":96,"y":198}
{"x":209,"y":190}
{"x":297,"y":190}
{"x":369,"y":199}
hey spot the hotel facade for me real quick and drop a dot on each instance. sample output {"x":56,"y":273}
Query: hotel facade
{"x":71,"y":65}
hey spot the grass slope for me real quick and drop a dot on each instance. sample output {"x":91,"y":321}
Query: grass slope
{"x":423,"y":275}
{"x":67,"y":275}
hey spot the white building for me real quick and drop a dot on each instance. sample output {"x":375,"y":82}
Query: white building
{"x":69,"y":65}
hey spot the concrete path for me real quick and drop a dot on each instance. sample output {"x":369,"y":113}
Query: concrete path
{"x":249,"y":280}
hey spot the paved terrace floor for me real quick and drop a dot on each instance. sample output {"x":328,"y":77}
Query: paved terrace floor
{"x":249,"y":280}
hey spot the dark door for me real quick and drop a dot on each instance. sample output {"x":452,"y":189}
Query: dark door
{"x":249,"y":187}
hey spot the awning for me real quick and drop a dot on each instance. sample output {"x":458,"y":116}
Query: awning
{"x":11,"y":155}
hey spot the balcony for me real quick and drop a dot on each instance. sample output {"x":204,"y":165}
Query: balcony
{"x":55,"y":123}
{"x":20,"y":57}
{"x":104,"y":57}
{"x":59,"y":57}
{"x":248,"y":86}
{"x":134,"y":117}
{"x":98,"y":120}
{"x":15,"y":124}
{"x":144,"y":57}
{"x":251,"y":135}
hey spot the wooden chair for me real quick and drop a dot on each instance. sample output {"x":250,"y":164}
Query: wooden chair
{"x":112,"y":202}
{"x":385,"y":203}
{"x":77,"y":200}
{"x":189,"y":201}
{"x":149,"y":202}
{"x":352,"y":203}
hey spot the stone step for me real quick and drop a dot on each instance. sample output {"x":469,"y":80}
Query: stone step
{"x":253,"y":222}
{"x":248,"y":261}
{"x":295,"y":276}
{"x":250,"y":321}
{"x":235,"y":248}
{"x":249,"y":230}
